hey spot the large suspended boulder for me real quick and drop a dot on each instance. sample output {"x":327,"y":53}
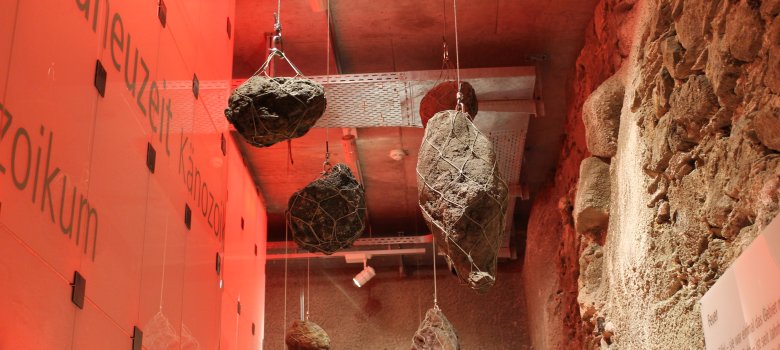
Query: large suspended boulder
{"x":306,"y":335}
{"x":329,"y":213}
{"x":462,"y":196}
{"x":435,"y":333}
{"x":269,"y":110}
{"x":444,"y":96}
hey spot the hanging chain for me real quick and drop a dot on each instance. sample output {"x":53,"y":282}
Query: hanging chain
{"x":286,"y":228}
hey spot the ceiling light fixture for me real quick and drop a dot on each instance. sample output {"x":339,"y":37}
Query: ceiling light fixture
{"x":364,"y":276}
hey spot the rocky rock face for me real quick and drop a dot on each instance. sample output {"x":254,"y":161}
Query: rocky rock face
{"x":695,"y":175}
{"x":591,"y":207}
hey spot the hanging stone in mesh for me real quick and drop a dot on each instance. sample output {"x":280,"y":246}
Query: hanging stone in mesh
{"x":462,"y":196}
{"x":435,"y":333}
{"x":269,"y":110}
{"x":329,"y":213}
{"x":306,"y":335}
{"x":444,"y":96}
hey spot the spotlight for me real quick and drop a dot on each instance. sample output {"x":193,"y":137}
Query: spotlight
{"x":364,"y":276}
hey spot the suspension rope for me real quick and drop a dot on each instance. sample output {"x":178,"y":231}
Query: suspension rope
{"x":308,"y":290}
{"x":457,"y":57}
{"x":435,"y":288}
{"x":286,"y":228}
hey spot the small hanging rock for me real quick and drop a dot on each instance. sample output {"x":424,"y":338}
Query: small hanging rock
{"x":306,"y":335}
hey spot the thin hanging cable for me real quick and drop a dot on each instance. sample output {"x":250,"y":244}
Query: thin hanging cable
{"x":286,"y":225}
{"x":457,"y":57}
{"x":308,"y":290}
{"x":327,"y":46}
{"x":435,"y":289}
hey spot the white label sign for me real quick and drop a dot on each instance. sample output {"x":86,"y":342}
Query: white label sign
{"x":742,"y":310}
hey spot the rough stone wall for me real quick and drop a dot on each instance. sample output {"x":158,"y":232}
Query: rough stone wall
{"x":694,"y":177}
{"x":551,"y":266}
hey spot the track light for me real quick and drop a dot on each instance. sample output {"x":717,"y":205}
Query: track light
{"x":364,"y":276}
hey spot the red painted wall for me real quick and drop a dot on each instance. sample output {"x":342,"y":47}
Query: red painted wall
{"x":76,"y":193}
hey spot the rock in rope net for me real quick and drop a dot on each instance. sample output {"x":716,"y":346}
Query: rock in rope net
{"x":444,"y":96}
{"x":462,"y":196}
{"x":435,"y":333}
{"x":159,"y":333}
{"x":306,"y":335}
{"x":269,"y":110}
{"x":329,"y":213}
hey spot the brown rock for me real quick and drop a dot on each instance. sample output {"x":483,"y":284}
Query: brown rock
{"x":693,"y":23}
{"x":664,"y":84}
{"x":770,"y":8}
{"x":591,"y":207}
{"x":676,"y":60}
{"x":601,"y":115}
{"x":772,"y":76}
{"x":766,"y":125}
{"x":692,"y":104}
{"x":744,"y":31}
{"x":722,"y":71}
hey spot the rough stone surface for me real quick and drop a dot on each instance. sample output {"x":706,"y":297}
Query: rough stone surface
{"x":462,"y":196}
{"x":270,"y":110}
{"x":306,"y":335}
{"x":435,"y":332}
{"x":601,"y":114}
{"x":443,"y":97}
{"x":329,"y":213}
{"x":591,"y":207}
{"x":695,"y":176}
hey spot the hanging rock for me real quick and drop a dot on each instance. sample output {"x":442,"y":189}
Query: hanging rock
{"x":269,"y":110}
{"x":601,"y":115}
{"x":306,"y":335}
{"x":443,"y":97}
{"x":462,"y":196}
{"x":435,"y":333}
{"x":591,"y":207}
{"x":329,"y":213}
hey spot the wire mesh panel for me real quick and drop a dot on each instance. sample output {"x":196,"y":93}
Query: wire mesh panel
{"x":462,"y":196}
{"x":435,"y":333}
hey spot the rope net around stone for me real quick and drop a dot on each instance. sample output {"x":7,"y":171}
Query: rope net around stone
{"x":306,"y":335}
{"x":266,"y":110}
{"x":462,"y":196}
{"x":435,"y":333}
{"x":329,"y":213}
{"x":443,"y":96}
{"x":159,"y":333}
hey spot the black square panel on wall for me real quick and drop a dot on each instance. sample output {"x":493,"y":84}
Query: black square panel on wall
{"x":79,"y":290}
{"x":151,"y":157}
{"x":100,"y":78}
{"x":188,"y":216}
{"x":162,"y":13}
{"x":138,"y":338}
{"x":195,"y":85}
